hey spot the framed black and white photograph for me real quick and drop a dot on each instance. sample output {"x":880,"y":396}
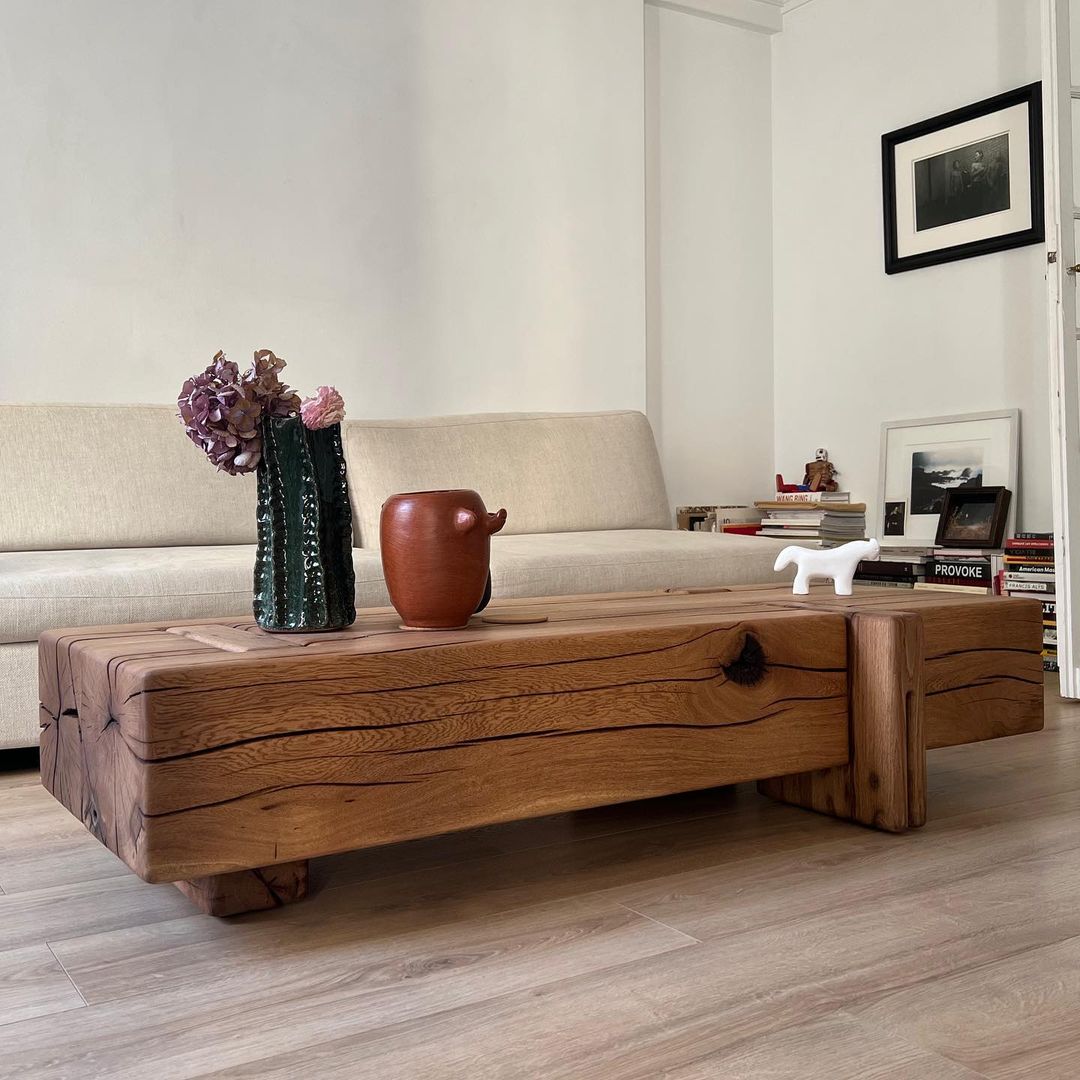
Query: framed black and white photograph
{"x":894,"y":519}
{"x":934,"y":472}
{"x":966,"y":183}
{"x":923,"y":461}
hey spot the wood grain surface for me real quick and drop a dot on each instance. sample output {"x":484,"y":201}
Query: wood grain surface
{"x":884,"y":782}
{"x":189,"y":759}
{"x":248,"y":890}
{"x":984,"y":676}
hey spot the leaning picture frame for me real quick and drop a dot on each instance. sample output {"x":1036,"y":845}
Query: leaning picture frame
{"x":921,"y":459}
{"x":965,"y":183}
{"x":974,"y":518}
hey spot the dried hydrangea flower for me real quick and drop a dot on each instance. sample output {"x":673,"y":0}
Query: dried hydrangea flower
{"x":222,"y":409}
{"x":263,"y":379}
{"x":323,"y":410}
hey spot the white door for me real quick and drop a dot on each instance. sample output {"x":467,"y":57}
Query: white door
{"x":1061,"y":107}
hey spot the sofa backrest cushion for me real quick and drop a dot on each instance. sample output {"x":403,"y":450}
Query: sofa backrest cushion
{"x":99,"y":476}
{"x":554,"y":472}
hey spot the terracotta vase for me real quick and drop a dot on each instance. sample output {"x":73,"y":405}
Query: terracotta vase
{"x":436,"y":548}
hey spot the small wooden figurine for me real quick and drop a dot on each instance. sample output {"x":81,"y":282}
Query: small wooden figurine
{"x":820,"y":473}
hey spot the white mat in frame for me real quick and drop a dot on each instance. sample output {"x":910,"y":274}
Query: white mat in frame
{"x":921,"y":458}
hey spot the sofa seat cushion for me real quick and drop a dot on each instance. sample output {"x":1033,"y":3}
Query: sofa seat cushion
{"x":627,"y":560}
{"x":101,"y":586}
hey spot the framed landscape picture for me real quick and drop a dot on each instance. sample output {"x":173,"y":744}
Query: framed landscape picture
{"x":923,"y":460}
{"x":974,"y":517}
{"x":966,"y":183}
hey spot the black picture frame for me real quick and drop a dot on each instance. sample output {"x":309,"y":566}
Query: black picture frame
{"x":1031,"y":95}
{"x":993,"y":506}
{"x":895,"y":516}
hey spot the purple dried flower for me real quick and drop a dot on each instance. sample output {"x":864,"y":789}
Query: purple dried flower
{"x":222,"y":410}
{"x":262,"y":377}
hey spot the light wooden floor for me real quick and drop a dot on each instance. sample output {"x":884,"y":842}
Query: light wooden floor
{"x":710,"y":935}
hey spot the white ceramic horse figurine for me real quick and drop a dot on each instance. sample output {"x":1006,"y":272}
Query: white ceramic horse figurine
{"x":838,"y":563}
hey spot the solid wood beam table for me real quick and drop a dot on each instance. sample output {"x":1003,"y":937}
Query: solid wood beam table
{"x":221,"y":758}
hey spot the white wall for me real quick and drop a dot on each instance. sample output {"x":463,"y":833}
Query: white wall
{"x":435,"y":204}
{"x":710,"y":335}
{"x":854,"y":347}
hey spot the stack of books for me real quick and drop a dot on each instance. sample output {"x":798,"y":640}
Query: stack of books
{"x":738,"y":518}
{"x":812,"y":496}
{"x":1029,"y":571}
{"x":721,"y":517}
{"x":898,"y":567}
{"x":822,"y":523}
{"x":963,"y":570}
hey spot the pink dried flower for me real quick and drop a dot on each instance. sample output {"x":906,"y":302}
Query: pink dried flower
{"x":323,"y":410}
{"x":222,"y":410}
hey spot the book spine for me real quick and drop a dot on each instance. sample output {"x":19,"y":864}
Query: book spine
{"x":960,"y":571}
{"x":1028,"y":586}
{"x":1042,"y":569}
{"x":1041,"y":537}
{"x":965,"y":590}
{"x":890,"y":569}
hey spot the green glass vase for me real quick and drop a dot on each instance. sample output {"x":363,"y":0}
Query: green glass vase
{"x":304,"y":578}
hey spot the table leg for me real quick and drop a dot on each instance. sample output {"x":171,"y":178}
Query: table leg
{"x":248,"y":890}
{"x":884,"y":783}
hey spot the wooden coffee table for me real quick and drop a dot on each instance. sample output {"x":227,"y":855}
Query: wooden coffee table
{"x":222,"y":758}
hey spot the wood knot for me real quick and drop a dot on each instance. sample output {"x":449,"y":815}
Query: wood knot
{"x":749,"y":667}
{"x":874,"y":781}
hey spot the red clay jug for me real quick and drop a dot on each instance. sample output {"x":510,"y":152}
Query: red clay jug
{"x":436,"y":550}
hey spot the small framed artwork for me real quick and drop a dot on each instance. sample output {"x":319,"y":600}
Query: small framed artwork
{"x":974,"y":517}
{"x":696,"y":518}
{"x":966,"y":183}
{"x":894,"y":518}
{"x":923,"y":460}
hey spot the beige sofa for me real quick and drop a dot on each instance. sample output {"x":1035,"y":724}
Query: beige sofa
{"x":110,"y":515}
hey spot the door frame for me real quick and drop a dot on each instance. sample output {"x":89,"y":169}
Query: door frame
{"x":1060,"y":98}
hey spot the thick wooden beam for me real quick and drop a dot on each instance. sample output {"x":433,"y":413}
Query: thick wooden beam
{"x":248,"y":890}
{"x":197,"y":750}
{"x":191,"y":758}
{"x":884,"y":782}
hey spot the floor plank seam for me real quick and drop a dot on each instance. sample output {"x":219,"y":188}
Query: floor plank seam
{"x":67,"y":974}
{"x":912,"y":1041}
{"x":945,"y":816}
{"x":666,"y":926}
{"x":883,"y":993}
